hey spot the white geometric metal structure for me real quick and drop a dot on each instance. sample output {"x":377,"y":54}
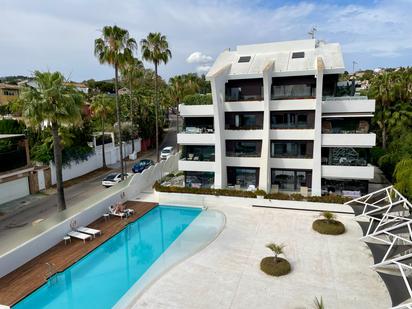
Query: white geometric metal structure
{"x":388,"y":233}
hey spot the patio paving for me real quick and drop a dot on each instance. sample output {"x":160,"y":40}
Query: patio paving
{"x":226,"y":274}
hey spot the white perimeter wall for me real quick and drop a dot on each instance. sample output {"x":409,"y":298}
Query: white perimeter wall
{"x":34,"y":240}
{"x":14,"y":189}
{"x":95,"y":161}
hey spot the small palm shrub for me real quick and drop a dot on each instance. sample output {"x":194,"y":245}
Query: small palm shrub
{"x":328,"y":225}
{"x":275,"y":266}
{"x":318,"y":304}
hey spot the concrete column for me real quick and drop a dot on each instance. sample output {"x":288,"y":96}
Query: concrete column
{"x":264,"y":172}
{"x":317,"y":143}
{"x":217,"y":82}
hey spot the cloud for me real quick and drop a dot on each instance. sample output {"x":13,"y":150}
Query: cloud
{"x":203,"y":68}
{"x":198,"y":57}
{"x":60,"y":34}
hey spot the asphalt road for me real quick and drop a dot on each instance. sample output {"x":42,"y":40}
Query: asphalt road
{"x":43,"y":207}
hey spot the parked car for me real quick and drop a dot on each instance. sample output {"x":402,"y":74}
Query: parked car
{"x":166,"y":152}
{"x":142,"y":165}
{"x":112,"y":179}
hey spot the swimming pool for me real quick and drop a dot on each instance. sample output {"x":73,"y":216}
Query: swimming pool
{"x":103,"y":276}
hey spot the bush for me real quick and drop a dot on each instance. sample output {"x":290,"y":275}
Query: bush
{"x":11,"y":126}
{"x":208,"y":191}
{"x":328,"y":227}
{"x":260,"y":192}
{"x":280,"y":268}
{"x":337,"y":199}
{"x":375,"y":154}
{"x":198,"y":99}
{"x":277,"y":196}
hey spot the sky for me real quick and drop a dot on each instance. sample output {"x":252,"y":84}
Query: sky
{"x":59,"y":35}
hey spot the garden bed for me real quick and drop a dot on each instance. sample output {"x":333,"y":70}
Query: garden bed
{"x":328,"y":227}
{"x":280,"y":268}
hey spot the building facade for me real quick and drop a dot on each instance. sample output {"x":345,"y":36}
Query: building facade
{"x":279,"y":122}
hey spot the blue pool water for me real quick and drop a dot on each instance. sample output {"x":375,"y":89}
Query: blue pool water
{"x":102,"y":277}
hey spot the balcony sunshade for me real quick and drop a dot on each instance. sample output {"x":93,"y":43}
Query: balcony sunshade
{"x":396,"y":287}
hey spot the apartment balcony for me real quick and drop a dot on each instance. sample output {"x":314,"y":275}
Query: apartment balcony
{"x":349,"y":140}
{"x":292,"y":134}
{"x":243,"y":161}
{"x":348,"y":104}
{"x":347,"y":172}
{"x":191,"y":138}
{"x":250,"y":106}
{"x":241,"y":90}
{"x":293,"y":88}
{"x":199,"y":166}
{"x":291,"y":163}
{"x":195,"y":110}
{"x":243,"y":134}
{"x":293,"y":104}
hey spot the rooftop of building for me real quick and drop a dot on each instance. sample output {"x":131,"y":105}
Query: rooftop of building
{"x":8,"y":86}
{"x":289,"y":57}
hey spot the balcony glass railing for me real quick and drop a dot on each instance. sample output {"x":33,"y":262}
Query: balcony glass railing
{"x":344,"y":161}
{"x":241,"y":97}
{"x":300,"y":91}
{"x":198,"y":153}
{"x":344,"y":98}
{"x":244,"y":154}
{"x":345,"y":126}
{"x":345,"y":156}
{"x":197,"y":130}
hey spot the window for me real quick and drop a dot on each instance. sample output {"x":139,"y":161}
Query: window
{"x":291,"y":180}
{"x":243,"y":148}
{"x":199,"y":179}
{"x":293,"y":149}
{"x":243,"y":176}
{"x":298,"y":55}
{"x":292,"y":120}
{"x":243,"y":59}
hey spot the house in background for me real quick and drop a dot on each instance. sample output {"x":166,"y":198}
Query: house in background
{"x":8,"y":93}
{"x":279,"y":122}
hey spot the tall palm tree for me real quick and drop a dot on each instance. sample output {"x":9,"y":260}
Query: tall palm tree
{"x":54,"y":104}
{"x":131,"y":71}
{"x":155,"y":49}
{"x":102,"y":107}
{"x":115,"y":47}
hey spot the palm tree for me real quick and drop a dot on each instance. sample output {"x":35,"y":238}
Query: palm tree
{"x":115,"y":47}
{"x":102,"y":107}
{"x":403,"y":176}
{"x":155,"y":49}
{"x":54,"y":104}
{"x":131,"y":71}
{"x":329,"y":216}
{"x":382,"y":89}
{"x":276,"y":249}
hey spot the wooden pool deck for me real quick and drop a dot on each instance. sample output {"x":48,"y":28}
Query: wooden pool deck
{"x":30,"y":276}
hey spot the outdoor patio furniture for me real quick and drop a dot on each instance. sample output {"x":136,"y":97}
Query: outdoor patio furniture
{"x":67,"y":239}
{"x":89,"y":231}
{"x":79,"y":235}
{"x":251,"y":188}
{"x":113,"y":212}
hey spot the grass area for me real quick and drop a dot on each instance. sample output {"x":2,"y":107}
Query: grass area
{"x":280,"y":268}
{"x":328,"y":227}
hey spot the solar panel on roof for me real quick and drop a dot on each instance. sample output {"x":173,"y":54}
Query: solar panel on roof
{"x":244,"y":59}
{"x":298,"y":55}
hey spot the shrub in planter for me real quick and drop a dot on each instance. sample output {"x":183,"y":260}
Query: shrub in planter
{"x":275,"y":266}
{"x":337,"y":199}
{"x":277,"y":196}
{"x":328,"y":225}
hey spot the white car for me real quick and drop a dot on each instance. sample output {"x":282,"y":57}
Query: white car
{"x":166,"y":152}
{"x":112,"y":179}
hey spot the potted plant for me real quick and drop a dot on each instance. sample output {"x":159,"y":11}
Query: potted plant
{"x":275,"y":265}
{"x":260,"y":194}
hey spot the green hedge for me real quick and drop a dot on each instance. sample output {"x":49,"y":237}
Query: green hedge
{"x":337,"y":199}
{"x":207,"y":191}
{"x":198,"y":99}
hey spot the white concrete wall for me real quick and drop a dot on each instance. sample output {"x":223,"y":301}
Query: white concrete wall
{"x":348,"y":106}
{"x":242,"y":161}
{"x":348,"y":172}
{"x":199,"y":166}
{"x":48,"y":233}
{"x":95,"y":161}
{"x":292,"y":134}
{"x":291,"y":163}
{"x":292,"y":105}
{"x":243,"y":134}
{"x":248,"y":106}
{"x":14,"y":189}
{"x":349,"y":140}
{"x":195,"y":139}
{"x":195,"y":110}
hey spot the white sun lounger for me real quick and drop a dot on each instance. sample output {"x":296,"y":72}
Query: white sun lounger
{"x":90,"y":231}
{"x":79,"y":235}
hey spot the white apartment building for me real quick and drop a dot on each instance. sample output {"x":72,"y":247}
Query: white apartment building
{"x":279,"y":122}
